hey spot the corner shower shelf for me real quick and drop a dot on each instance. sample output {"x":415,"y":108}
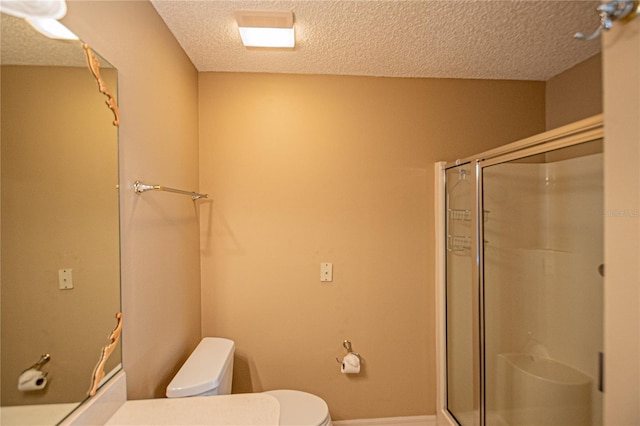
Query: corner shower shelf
{"x":460,"y":214}
{"x":458,"y":242}
{"x":465,"y":214}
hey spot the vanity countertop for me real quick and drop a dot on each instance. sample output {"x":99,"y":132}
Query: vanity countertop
{"x":236,"y":409}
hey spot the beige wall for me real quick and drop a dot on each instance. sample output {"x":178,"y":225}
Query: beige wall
{"x":621,"y":60}
{"x":310,"y":169}
{"x":158,"y":143}
{"x":575,"y":93}
{"x":59,"y":210}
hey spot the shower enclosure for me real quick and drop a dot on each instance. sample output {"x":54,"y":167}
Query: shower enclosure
{"x":521,"y":282}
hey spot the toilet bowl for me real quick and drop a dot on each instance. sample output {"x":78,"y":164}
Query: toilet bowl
{"x":301,"y":408}
{"x":209,"y":371}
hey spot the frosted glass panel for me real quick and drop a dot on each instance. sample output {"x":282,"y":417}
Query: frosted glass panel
{"x":543,"y":288}
{"x":462,"y":352}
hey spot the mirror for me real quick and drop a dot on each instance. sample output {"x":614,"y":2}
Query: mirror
{"x":60,"y":264}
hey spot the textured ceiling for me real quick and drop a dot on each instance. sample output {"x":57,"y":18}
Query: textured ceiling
{"x":480,"y":39}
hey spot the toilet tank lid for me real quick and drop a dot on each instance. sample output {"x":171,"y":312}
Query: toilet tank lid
{"x":204,"y":368}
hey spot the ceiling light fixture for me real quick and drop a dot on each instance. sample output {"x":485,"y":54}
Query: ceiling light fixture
{"x":266,"y":29}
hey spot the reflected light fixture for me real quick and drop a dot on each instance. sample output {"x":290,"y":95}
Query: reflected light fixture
{"x":52,"y":28}
{"x":266,"y":29}
{"x":43,"y":15}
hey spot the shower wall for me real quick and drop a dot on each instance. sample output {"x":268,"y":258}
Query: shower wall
{"x":543,"y":245}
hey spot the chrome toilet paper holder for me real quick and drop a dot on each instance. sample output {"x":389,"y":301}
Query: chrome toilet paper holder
{"x":45,"y":358}
{"x":347,"y":346}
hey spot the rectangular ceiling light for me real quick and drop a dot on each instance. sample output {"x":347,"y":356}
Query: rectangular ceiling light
{"x":266,"y":29}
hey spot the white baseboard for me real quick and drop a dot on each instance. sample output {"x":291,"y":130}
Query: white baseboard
{"x":390,"y":421}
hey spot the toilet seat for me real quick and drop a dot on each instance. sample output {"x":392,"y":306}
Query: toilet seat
{"x":301,"y":408}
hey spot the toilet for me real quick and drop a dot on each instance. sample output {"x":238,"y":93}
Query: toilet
{"x":209,"y":371}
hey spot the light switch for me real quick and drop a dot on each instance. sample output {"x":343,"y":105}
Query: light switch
{"x":65,"y":279}
{"x":326,"y":272}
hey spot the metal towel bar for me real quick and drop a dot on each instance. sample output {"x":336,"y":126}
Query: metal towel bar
{"x":140,"y":187}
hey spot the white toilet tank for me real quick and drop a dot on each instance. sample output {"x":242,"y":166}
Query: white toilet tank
{"x":207,"y":371}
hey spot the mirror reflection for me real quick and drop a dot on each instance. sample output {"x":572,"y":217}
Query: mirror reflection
{"x":59,"y":224}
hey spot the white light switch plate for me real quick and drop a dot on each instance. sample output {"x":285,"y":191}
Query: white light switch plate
{"x":65,"y":279}
{"x":326,"y":272}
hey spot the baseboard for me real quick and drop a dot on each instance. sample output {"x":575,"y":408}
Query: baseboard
{"x":390,"y":421}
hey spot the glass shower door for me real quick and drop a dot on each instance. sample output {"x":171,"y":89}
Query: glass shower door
{"x":461,"y":297}
{"x":542,"y":287}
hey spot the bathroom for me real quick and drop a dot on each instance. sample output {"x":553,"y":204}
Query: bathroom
{"x":290,"y":193}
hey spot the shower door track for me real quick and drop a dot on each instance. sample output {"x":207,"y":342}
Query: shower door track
{"x":571,"y":134}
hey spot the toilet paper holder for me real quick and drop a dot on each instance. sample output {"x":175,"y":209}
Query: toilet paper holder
{"x":45,"y":358}
{"x":347,"y":346}
{"x":33,"y":378}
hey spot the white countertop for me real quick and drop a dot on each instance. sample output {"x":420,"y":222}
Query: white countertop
{"x":237,"y":409}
